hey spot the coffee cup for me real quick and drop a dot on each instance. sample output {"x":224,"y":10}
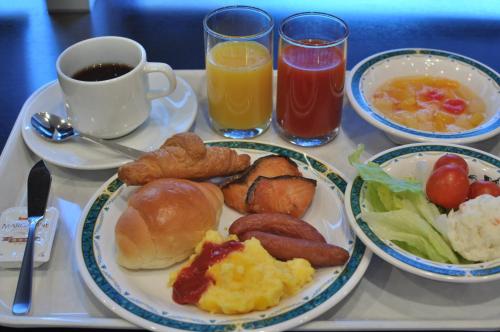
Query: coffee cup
{"x":105,"y":85}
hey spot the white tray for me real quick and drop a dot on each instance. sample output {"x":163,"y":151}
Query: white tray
{"x":386,"y":298}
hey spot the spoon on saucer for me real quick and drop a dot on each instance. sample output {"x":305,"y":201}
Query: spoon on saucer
{"x":56,"y":129}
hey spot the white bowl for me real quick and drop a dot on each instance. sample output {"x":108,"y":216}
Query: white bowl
{"x":402,"y":162}
{"x":370,"y":73}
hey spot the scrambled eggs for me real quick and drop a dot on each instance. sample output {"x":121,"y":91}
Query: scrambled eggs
{"x":248,"y":279}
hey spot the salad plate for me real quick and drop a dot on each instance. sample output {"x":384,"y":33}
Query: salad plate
{"x":170,"y":115}
{"x":373,"y":71}
{"x":145,"y":299}
{"x":416,"y":161}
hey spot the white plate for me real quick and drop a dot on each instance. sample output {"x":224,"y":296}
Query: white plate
{"x":373,"y":71}
{"x":401,"y":162}
{"x":169,"y":116}
{"x":144,"y":298}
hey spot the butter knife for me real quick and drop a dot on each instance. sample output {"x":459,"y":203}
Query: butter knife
{"x":39,"y":181}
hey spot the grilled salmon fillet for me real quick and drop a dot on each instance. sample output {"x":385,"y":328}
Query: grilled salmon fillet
{"x":235,"y":192}
{"x":282,"y":194}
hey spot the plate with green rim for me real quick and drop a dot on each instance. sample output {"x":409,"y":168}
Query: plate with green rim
{"x":144,"y":298}
{"x":402,"y":162}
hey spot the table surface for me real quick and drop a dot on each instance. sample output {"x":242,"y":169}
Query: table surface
{"x":172,"y":32}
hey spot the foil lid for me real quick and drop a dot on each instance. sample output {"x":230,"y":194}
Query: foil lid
{"x":14,"y":233}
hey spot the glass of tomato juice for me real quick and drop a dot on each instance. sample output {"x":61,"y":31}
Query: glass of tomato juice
{"x":239,"y":69}
{"x":311,"y":72}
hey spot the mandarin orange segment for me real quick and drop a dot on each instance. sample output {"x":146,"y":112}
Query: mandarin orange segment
{"x":417,"y":101}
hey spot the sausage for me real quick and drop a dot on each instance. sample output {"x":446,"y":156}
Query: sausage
{"x":286,"y":248}
{"x":277,"y":224}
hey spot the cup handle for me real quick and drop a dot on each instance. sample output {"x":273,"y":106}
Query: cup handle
{"x":151,"y":67}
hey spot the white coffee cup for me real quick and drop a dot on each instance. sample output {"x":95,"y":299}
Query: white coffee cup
{"x":114,"y":107}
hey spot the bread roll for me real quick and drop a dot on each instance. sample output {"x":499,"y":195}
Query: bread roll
{"x":164,"y":221}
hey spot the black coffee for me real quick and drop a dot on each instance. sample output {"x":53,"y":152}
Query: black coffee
{"x":102,"y":72}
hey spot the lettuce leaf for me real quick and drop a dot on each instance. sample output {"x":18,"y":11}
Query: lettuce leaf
{"x":417,"y":235}
{"x":398,"y":210}
{"x":374,"y":173}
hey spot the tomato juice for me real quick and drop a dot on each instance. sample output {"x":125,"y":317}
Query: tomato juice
{"x":310,"y":89}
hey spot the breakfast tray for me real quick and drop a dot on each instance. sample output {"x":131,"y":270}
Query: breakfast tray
{"x":386,"y":298}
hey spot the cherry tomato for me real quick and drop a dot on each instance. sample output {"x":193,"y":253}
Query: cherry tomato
{"x":448,"y":186}
{"x":452,"y":159}
{"x":482,"y":187}
{"x":454,"y":106}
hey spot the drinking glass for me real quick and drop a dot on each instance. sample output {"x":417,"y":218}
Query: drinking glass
{"x":239,"y":67}
{"x":311,"y":71}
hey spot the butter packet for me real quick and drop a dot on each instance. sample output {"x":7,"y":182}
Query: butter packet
{"x":14,"y":233}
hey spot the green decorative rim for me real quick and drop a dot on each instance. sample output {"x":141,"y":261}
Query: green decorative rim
{"x":89,"y":257}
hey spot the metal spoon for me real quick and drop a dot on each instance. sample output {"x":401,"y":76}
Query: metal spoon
{"x":57,"y":129}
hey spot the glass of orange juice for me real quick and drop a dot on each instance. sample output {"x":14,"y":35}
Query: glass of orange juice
{"x":239,"y":68}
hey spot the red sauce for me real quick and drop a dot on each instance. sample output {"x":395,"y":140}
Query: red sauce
{"x":310,"y":89}
{"x":192,"y":281}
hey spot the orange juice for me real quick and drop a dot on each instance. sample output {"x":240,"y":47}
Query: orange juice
{"x":239,"y":84}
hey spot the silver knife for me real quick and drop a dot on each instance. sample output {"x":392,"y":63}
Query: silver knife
{"x":39,"y":181}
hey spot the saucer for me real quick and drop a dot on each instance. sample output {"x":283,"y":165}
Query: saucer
{"x":173,"y":114}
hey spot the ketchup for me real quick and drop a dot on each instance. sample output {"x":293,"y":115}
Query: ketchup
{"x":310,"y":89}
{"x":192,"y":281}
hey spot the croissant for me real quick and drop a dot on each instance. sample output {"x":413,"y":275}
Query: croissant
{"x":164,"y":221}
{"x":183,"y":156}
